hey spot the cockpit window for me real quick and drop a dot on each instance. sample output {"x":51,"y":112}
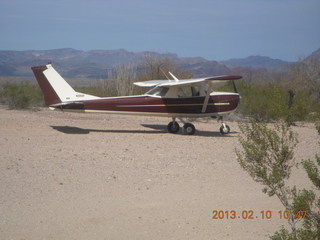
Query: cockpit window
{"x":188,"y":92}
{"x":195,"y":91}
{"x":158,"y":91}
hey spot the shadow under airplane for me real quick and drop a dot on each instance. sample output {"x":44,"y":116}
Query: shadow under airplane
{"x":157,"y":129}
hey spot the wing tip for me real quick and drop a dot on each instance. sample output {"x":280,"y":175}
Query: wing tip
{"x":224,"y":77}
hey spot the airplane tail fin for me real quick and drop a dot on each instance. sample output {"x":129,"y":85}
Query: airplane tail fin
{"x":54,"y":88}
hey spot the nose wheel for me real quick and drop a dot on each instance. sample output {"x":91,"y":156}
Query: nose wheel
{"x":224,"y":129}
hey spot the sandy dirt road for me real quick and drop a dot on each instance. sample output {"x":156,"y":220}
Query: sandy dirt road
{"x":81,"y":176}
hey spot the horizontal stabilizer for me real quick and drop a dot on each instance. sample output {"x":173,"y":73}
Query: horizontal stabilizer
{"x":68,"y":105}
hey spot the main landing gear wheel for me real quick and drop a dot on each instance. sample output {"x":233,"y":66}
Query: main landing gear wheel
{"x":173,"y":127}
{"x":224,"y":129}
{"x":189,"y":128}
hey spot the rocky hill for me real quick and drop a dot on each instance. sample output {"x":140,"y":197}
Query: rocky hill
{"x":257,"y":62}
{"x":74,"y":63}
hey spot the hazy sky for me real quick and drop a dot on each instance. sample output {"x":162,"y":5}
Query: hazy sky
{"x":213,"y":29}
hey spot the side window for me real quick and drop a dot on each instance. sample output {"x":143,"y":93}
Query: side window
{"x":163,"y":91}
{"x":195,"y":91}
{"x":185,"y":92}
{"x":188,"y":92}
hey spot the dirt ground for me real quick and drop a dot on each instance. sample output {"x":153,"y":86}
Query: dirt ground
{"x":82,"y":176}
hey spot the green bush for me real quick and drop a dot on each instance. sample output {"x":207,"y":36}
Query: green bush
{"x":270,"y":102}
{"x":20,"y":96}
{"x":267,"y":155}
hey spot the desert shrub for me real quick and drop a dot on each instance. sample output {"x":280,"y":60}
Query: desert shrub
{"x":308,"y":200}
{"x":267,"y":155}
{"x":311,"y":225}
{"x":318,"y":127}
{"x":264,"y":103}
{"x":270,"y":102}
{"x":20,"y":96}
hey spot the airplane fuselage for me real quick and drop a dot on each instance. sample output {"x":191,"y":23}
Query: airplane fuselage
{"x":219,"y":103}
{"x":189,"y":98}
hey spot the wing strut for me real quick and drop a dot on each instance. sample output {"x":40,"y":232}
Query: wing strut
{"x":206,"y":99}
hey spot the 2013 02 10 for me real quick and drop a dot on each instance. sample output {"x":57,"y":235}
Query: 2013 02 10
{"x":251,"y":214}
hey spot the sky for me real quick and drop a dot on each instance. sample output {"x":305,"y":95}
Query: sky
{"x":212,"y":29}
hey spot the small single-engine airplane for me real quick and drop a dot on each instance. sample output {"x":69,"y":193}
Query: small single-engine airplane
{"x":190,"y":98}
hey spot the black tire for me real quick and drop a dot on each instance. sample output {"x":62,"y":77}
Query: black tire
{"x":224,"y":130}
{"x":173,"y":127}
{"x":189,"y":128}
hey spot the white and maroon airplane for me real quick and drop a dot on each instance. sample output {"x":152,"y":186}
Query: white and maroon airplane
{"x":190,"y":98}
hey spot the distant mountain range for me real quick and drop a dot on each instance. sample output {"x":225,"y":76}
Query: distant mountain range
{"x":256,"y":62}
{"x":74,"y":63}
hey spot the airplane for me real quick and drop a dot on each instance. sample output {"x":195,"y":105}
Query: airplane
{"x":176,"y":99}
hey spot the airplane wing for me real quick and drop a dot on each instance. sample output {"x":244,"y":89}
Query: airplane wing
{"x":151,"y":83}
{"x":168,"y":83}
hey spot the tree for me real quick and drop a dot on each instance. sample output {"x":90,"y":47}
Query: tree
{"x":267,"y":155}
{"x":124,"y":76}
{"x":311,"y":224}
{"x":306,"y":75}
{"x":150,"y":67}
{"x":154,"y":67}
